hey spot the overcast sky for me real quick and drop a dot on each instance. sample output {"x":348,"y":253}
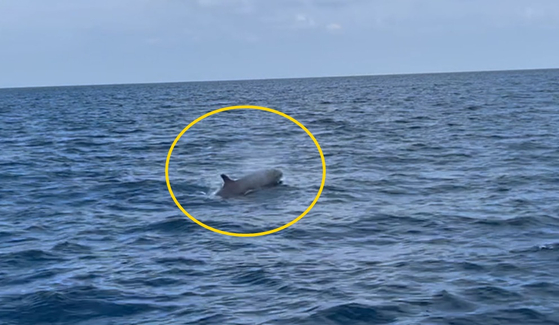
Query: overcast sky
{"x":68,"y":42}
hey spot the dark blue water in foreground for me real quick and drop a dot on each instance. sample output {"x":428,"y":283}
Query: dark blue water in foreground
{"x":440,"y":204}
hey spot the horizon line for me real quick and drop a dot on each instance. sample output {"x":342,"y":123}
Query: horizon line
{"x":269,"y":79}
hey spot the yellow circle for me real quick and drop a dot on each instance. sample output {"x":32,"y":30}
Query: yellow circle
{"x":256,"y":233}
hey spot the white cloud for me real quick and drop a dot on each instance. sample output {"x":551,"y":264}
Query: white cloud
{"x":231,"y":6}
{"x":304,"y":20}
{"x":334,"y":26}
{"x":153,"y":41}
{"x":301,"y":17}
{"x":207,"y":3}
{"x":533,"y":13}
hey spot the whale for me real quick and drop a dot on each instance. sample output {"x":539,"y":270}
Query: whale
{"x":252,"y":182}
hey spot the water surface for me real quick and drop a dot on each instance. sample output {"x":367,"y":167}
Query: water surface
{"x":439,"y":207}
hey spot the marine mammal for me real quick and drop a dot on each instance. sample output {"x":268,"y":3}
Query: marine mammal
{"x":249,"y":183}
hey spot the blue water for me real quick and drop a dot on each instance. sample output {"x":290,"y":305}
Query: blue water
{"x":440,"y":203}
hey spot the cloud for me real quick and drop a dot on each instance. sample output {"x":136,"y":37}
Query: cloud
{"x":333,"y":26}
{"x":153,"y":41}
{"x":304,"y":20}
{"x":531,"y":15}
{"x":231,"y":6}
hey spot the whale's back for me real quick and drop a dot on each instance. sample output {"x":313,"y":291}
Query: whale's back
{"x":250,"y":182}
{"x":260,"y":179}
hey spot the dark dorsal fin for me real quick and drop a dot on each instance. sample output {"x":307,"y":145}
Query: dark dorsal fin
{"x":226,"y":179}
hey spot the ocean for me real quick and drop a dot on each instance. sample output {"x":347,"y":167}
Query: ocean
{"x":440,"y":203}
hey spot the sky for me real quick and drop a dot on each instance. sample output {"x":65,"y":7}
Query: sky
{"x":83,"y":42}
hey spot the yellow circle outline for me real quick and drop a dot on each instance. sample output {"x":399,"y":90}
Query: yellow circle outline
{"x":256,"y":233}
